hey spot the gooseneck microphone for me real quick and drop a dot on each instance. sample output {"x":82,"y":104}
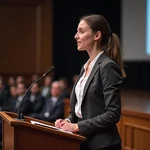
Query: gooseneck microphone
{"x":20,"y":115}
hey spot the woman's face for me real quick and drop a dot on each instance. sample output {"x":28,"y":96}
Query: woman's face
{"x":84,"y":36}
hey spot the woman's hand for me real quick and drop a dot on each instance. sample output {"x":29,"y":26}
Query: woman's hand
{"x":69,"y":126}
{"x":59,"y":122}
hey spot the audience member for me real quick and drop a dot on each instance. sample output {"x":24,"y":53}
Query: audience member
{"x":54,"y":105}
{"x":34,"y":77}
{"x":36,"y":99}
{"x":26,"y":107}
{"x":4,"y":95}
{"x":64,"y":85}
{"x":46,"y":87}
{"x":19,"y":79}
{"x":12,"y":99}
{"x":11,"y":81}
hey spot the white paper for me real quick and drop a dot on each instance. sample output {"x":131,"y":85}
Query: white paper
{"x":49,"y":126}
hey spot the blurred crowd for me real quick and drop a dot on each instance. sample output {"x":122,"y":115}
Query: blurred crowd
{"x":44,"y":101}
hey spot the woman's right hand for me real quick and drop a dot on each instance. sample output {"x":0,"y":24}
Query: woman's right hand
{"x":60,"y":122}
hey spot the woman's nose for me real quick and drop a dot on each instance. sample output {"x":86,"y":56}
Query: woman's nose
{"x":76,"y":36}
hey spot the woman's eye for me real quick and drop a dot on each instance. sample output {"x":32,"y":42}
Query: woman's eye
{"x":81,"y":31}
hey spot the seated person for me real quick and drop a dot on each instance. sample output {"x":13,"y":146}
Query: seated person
{"x":54,"y":105}
{"x":26,"y":106}
{"x":19,"y":79}
{"x":46,"y":87}
{"x":13,"y":98}
{"x":11,"y":81}
{"x":64,"y":83}
{"x":4,"y":96}
{"x":34,"y":77}
{"x":36,"y":99}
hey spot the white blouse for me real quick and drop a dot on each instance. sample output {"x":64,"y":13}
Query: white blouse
{"x":81,"y":84}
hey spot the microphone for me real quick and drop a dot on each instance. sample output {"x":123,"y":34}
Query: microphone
{"x":20,"y":115}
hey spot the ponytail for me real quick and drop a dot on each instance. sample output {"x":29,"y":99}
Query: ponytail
{"x":114,"y":52}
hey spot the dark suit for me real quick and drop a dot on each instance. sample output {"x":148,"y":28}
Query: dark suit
{"x":37,"y":103}
{"x":4,"y":99}
{"x":25,"y":108}
{"x":12,"y":104}
{"x":55,"y":111}
{"x":101,"y":105}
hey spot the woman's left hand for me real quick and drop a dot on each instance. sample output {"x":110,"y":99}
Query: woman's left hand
{"x":69,"y":127}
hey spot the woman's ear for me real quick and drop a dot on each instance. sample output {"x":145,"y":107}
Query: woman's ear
{"x":98,"y":35}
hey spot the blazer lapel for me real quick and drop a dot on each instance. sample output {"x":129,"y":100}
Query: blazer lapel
{"x":96,"y":66}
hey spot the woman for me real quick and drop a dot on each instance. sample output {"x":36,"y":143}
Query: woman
{"x":96,"y":96}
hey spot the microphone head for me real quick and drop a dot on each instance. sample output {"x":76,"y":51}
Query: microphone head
{"x":51,"y":68}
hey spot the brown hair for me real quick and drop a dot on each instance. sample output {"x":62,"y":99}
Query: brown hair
{"x":109,"y":41}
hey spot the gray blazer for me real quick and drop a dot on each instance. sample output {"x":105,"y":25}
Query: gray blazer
{"x":101,"y":105}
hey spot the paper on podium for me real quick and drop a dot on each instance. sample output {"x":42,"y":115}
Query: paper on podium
{"x":49,"y":126}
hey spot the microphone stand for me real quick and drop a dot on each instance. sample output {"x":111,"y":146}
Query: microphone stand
{"x":20,"y":115}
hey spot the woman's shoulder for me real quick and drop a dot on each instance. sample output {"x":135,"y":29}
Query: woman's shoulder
{"x":106,"y":60}
{"x":108,"y":63}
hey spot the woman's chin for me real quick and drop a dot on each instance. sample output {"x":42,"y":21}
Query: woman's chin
{"x":80,"y":49}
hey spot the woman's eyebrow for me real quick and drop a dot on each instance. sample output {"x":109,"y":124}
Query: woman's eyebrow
{"x":81,"y":28}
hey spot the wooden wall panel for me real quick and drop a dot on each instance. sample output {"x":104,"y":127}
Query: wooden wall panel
{"x":26,"y":37}
{"x":128,"y":137}
{"x":141,"y":138}
{"x":47,"y":41}
{"x":18,"y":38}
{"x":135,"y":133}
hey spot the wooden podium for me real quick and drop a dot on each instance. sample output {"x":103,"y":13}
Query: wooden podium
{"x":22,"y":135}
